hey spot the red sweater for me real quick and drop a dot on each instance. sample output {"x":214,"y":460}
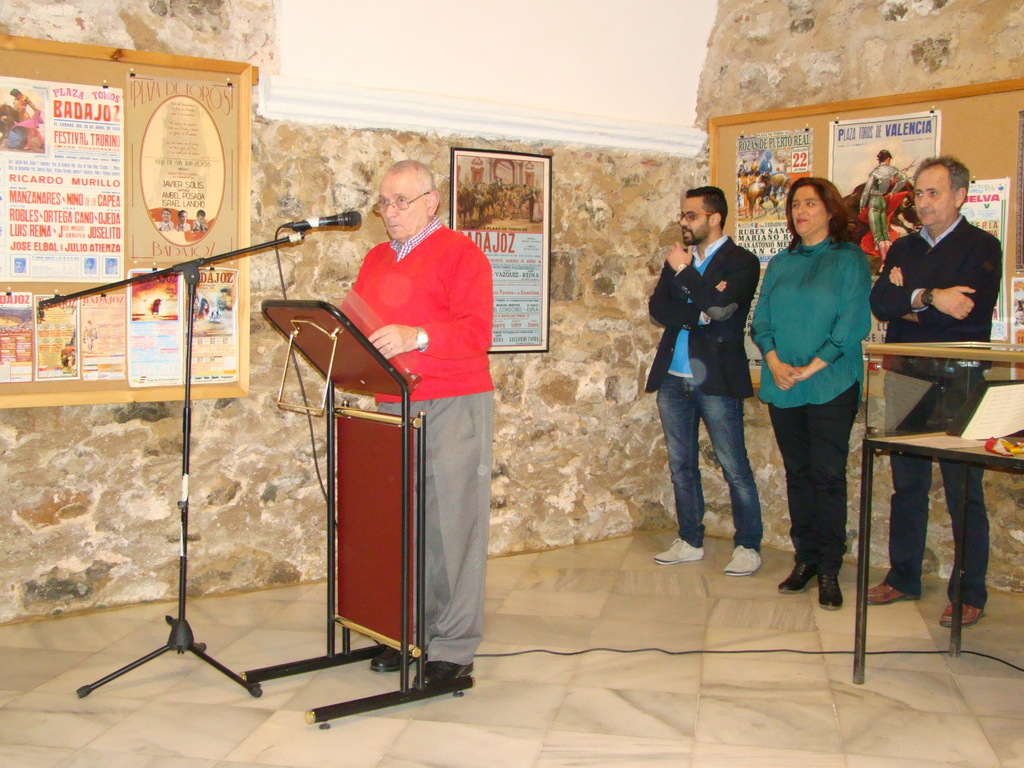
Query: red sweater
{"x":443,"y":286}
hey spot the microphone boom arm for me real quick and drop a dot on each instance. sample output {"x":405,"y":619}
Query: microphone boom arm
{"x":295,"y":237}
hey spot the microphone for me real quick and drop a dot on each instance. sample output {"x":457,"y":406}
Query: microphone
{"x":346,"y":219}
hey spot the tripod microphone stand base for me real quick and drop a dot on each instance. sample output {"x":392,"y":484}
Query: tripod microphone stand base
{"x":181,"y":640}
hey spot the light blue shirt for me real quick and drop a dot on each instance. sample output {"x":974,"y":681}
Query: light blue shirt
{"x":928,"y":235}
{"x":680,"y":365}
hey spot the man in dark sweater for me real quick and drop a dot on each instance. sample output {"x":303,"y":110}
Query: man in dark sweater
{"x":938,"y":285}
{"x":700,"y":372}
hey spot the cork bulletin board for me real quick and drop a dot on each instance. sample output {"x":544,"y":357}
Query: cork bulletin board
{"x":117,"y":163}
{"x":982,"y":125}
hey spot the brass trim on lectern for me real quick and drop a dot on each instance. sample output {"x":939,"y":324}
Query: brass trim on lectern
{"x":383,"y":418}
{"x":382,"y":639}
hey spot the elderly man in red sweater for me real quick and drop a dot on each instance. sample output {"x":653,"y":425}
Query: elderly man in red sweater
{"x":432,"y":288}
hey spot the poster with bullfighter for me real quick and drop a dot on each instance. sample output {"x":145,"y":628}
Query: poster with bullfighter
{"x":872,"y":162}
{"x":766,"y":165}
{"x":61,"y":182}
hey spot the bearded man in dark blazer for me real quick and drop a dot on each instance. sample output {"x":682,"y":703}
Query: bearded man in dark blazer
{"x":700,"y":373}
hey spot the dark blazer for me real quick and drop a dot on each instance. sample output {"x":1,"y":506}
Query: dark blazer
{"x":717,"y":356}
{"x":966,"y":256}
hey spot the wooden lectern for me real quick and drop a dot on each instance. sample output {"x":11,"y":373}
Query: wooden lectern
{"x":375,"y":528}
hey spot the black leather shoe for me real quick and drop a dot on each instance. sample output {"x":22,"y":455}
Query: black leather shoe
{"x":444,"y":671}
{"x":798,"y":578}
{"x":830,"y":597}
{"x":388,"y":660}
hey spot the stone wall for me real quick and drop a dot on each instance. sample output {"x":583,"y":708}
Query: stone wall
{"x":89,"y":517}
{"x":769,"y":54}
{"x":92,"y":518}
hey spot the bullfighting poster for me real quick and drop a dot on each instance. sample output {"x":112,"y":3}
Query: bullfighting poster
{"x":1017,"y":304}
{"x":502,"y":202}
{"x":766,"y":165}
{"x":61,"y":181}
{"x":872,"y":162}
{"x":182,"y":163}
{"x":215,"y":327}
{"x":56,"y":340}
{"x":1019,"y":266}
{"x":103,"y":337}
{"x":155,"y":339}
{"x":16,"y":337}
{"x":987,"y":207}
{"x":753,"y":351}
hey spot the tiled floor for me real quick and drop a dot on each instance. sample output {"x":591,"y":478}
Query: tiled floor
{"x":598,"y":709}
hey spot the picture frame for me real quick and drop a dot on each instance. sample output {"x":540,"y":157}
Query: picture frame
{"x":90,"y":365}
{"x":502,"y":201}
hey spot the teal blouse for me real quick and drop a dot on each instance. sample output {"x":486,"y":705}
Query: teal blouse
{"x":814,"y":303}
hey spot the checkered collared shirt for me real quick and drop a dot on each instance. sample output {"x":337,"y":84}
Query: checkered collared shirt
{"x":403,"y":249}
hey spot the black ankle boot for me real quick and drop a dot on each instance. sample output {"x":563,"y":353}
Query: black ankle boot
{"x":798,"y":580}
{"x":829,"y":595}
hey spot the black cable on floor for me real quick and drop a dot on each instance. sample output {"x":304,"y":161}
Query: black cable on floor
{"x":723,"y":653}
{"x":994,"y":658}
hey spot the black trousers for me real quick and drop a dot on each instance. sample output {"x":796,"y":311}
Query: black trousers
{"x":908,"y":524}
{"x":951,"y":387}
{"x":815,"y":444}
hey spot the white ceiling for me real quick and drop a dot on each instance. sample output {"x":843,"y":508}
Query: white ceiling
{"x":634,"y":63}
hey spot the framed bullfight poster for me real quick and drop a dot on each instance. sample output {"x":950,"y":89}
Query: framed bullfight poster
{"x":502,"y":201}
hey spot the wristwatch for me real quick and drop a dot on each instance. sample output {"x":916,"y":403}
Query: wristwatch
{"x":422,"y":340}
{"x":926,"y":297}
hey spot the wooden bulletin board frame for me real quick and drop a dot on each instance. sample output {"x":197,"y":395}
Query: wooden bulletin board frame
{"x":45,"y":60}
{"x":980,"y":125}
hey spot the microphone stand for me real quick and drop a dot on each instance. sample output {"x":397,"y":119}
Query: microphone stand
{"x":181,"y":638}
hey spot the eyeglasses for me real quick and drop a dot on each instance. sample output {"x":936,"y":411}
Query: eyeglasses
{"x":690,"y":216}
{"x":400,"y":203}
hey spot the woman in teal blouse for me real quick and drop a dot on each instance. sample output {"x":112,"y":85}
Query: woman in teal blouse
{"x":809,"y":322}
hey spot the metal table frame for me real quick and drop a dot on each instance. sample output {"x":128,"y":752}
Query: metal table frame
{"x":911,"y":445}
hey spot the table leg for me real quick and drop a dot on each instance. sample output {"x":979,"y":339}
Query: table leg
{"x":960,"y":549}
{"x":863,"y":562}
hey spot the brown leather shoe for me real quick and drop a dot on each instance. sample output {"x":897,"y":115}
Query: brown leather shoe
{"x":883,"y":594}
{"x":969,"y":613}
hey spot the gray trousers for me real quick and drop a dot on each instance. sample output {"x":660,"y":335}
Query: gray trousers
{"x":460,"y":433}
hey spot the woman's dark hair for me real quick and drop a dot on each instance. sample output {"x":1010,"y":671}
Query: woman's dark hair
{"x":838,"y":216}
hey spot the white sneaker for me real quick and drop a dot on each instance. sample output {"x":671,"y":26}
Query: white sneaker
{"x":745,"y":562}
{"x":679,"y":552}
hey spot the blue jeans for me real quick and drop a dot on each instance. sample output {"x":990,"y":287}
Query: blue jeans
{"x":682,"y":406}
